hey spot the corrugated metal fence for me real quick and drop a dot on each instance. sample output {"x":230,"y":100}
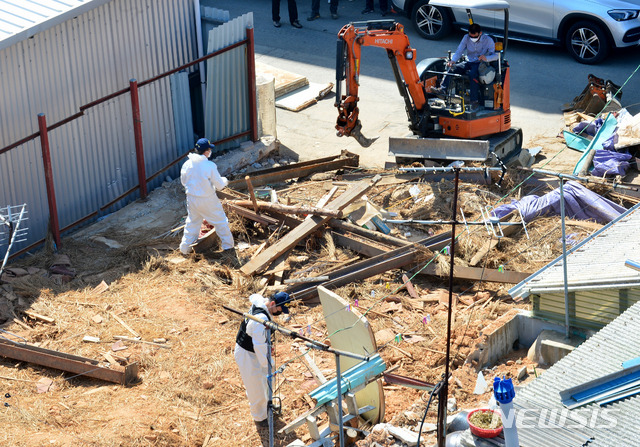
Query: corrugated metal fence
{"x":228,"y":97}
{"x":59,"y":72}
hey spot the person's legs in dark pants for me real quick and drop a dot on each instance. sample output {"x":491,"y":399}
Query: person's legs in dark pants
{"x":474,"y":82}
{"x":315,"y":8}
{"x":456,"y":69}
{"x":275,"y":10}
{"x":384,"y":7}
{"x":293,"y":10}
{"x":368,"y":7}
{"x":333,"y":8}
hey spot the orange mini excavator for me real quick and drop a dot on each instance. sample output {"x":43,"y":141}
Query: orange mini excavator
{"x":444,"y":125}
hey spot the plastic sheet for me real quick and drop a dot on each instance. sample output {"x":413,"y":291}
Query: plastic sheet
{"x":580,"y":203}
{"x":607,"y":162}
{"x":588,"y":127}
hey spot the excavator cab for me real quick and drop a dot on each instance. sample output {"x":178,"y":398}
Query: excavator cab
{"x":492,"y":75}
{"x":432,"y":117}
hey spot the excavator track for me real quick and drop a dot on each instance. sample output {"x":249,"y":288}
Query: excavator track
{"x":505,"y":147}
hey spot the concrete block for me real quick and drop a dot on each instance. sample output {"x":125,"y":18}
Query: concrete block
{"x":551,"y":346}
{"x":250,"y":153}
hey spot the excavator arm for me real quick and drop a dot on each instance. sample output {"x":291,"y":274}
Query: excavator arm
{"x":385,"y":34}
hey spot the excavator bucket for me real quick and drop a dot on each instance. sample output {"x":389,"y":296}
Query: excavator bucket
{"x":504,"y":147}
{"x":363,"y":141}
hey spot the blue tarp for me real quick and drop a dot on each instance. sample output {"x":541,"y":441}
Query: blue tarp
{"x":580,"y":203}
{"x":604,"y":133}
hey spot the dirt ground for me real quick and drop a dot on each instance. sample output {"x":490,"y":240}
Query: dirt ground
{"x":126,"y":277}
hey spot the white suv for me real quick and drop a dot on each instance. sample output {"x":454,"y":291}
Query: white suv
{"x":588,"y":29}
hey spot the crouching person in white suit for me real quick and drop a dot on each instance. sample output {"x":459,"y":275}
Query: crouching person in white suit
{"x":252,"y":352}
{"x":200,"y":178}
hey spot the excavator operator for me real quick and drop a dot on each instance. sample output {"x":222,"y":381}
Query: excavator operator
{"x":479,"y":48}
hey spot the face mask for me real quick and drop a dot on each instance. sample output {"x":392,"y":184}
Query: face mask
{"x":474,"y":39}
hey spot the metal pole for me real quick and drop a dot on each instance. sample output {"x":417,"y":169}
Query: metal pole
{"x":137,"y":132}
{"x":339,"y":401}
{"x":48,"y":178}
{"x":564,"y":260}
{"x":444,"y":392}
{"x":269,"y":387}
{"x":251,"y":72}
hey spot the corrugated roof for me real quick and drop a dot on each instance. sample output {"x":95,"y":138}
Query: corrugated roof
{"x":600,"y":355}
{"x":21,"y":19}
{"x":594,"y":263}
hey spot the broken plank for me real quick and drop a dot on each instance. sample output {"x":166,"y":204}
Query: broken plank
{"x":409,"y":286}
{"x":307,"y":227}
{"x":373,"y":235}
{"x":67,"y":362}
{"x":296,"y":170}
{"x":124,"y":325}
{"x":313,"y":369}
{"x":248,"y":214}
{"x":109,"y":358}
{"x":135,"y":340}
{"x":280,"y":265}
{"x":296,"y":209}
{"x":479,"y":274}
{"x":22,"y":324}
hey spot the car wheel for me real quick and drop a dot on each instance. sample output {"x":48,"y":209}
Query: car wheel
{"x":431,"y":22}
{"x":587,"y":43}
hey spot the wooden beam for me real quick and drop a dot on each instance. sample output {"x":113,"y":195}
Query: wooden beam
{"x":67,"y":362}
{"x":252,"y":194}
{"x":296,"y":170}
{"x":373,"y":235}
{"x":248,"y":214}
{"x":480,"y":274}
{"x":290,"y":209}
{"x":308,"y":226}
{"x":361,"y":270}
{"x":357,"y":245}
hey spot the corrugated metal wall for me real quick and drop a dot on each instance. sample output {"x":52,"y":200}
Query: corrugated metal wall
{"x":227,"y":109}
{"x":72,"y":64}
{"x":591,"y":309}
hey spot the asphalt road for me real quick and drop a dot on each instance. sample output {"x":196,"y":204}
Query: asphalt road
{"x":542,"y":79}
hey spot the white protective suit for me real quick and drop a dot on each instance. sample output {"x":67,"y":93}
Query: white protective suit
{"x":253,"y":365}
{"x":200,"y":177}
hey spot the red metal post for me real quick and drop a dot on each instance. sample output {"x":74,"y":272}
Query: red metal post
{"x":137,"y":132}
{"x":251,"y":69}
{"x":48,"y":178}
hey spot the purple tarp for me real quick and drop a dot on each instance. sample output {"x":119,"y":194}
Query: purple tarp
{"x":610,"y":163}
{"x":580,"y":203}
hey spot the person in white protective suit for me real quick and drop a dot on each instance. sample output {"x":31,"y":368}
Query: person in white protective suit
{"x":200,"y":178}
{"x":252,"y":352}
